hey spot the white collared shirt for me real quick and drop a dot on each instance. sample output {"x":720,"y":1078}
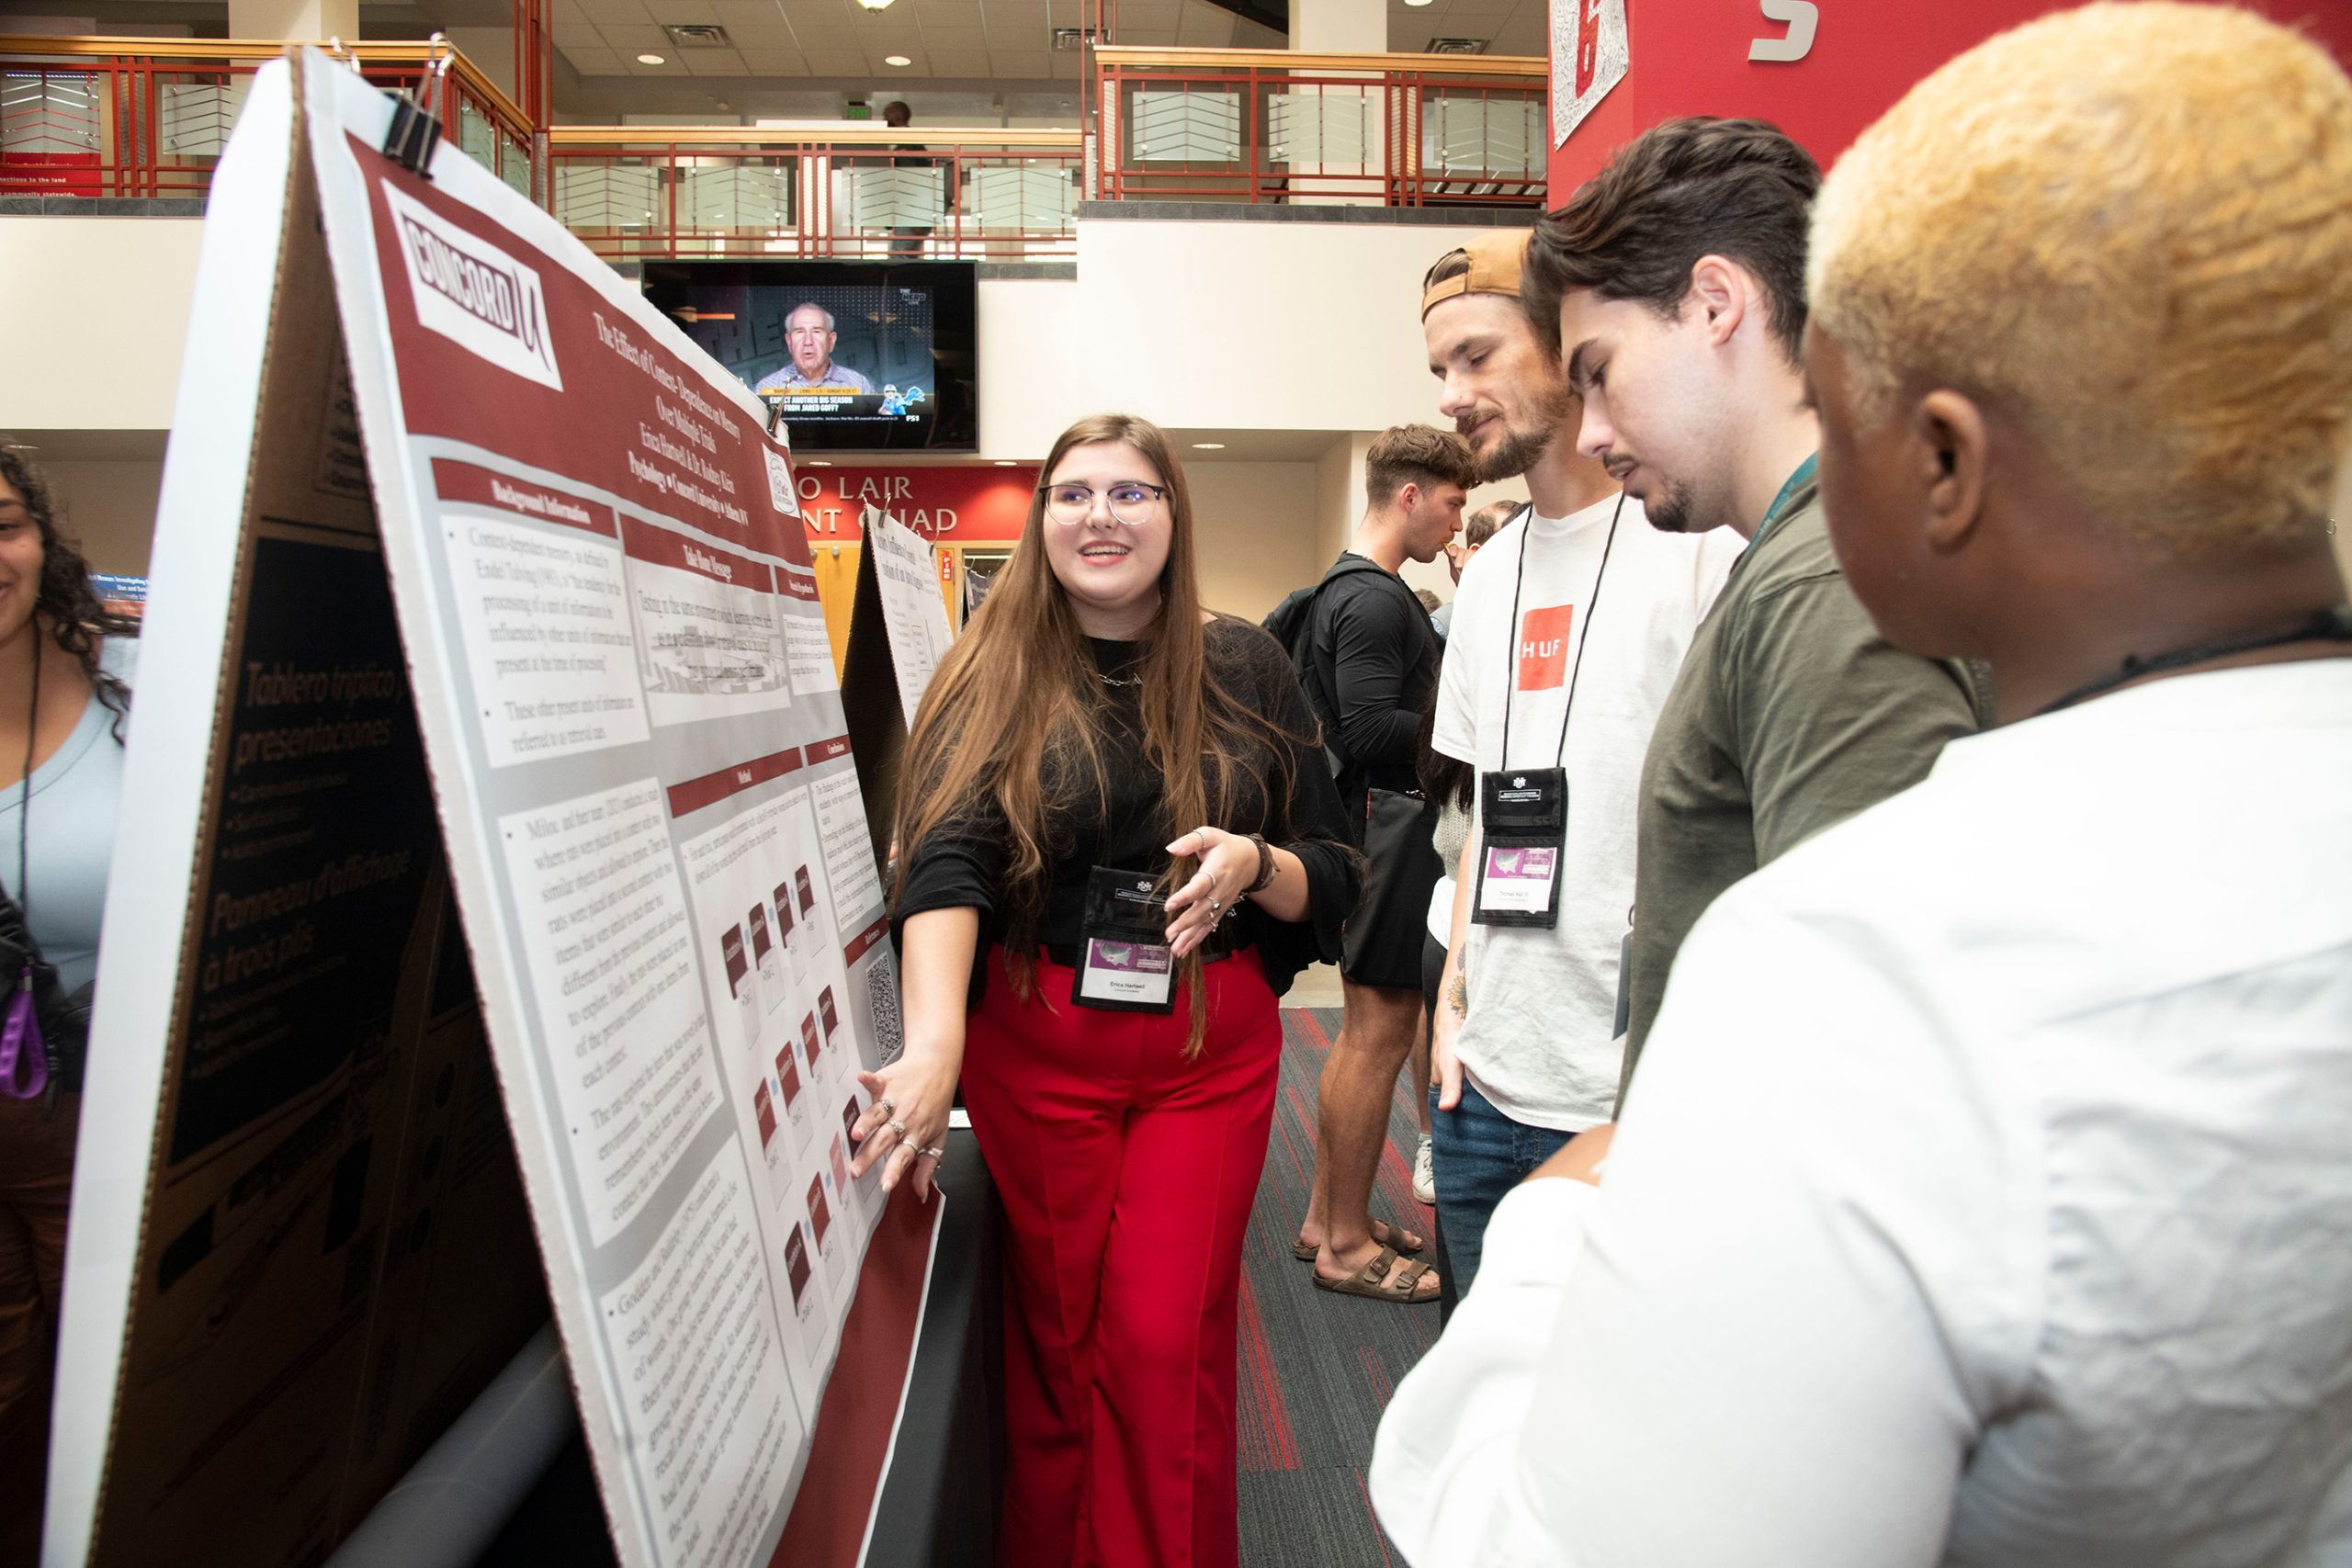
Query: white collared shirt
{"x":1986,"y":1198}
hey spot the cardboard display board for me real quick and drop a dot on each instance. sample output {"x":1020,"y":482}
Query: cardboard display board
{"x":515,"y":580}
{"x":898,"y":635}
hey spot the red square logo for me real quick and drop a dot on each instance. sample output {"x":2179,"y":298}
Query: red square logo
{"x":1543,"y":647}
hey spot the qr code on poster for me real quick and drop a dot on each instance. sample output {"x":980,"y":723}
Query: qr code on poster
{"x":882,"y":1002}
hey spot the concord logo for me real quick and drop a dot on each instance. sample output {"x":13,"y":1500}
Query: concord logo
{"x":473,"y":293}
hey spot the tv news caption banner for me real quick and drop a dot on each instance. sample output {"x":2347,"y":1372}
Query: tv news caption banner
{"x":652,"y":823}
{"x":299,"y":1245}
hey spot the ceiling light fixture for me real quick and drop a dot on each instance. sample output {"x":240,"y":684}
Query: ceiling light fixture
{"x":896,"y":59}
{"x":650,"y":59}
{"x":876,"y":5}
{"x":1006,"y":463}
{"x":1416,"y":3}
{"x":1208,"y":445}
{"x":817,"y":463}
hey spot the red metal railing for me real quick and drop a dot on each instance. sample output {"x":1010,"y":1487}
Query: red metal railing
{"x":876,"y":193}
{"x":1273,"y":126}
{"x":121,"y":116}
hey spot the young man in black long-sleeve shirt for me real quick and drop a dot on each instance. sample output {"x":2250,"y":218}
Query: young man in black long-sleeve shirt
{"x":1370,"y":669}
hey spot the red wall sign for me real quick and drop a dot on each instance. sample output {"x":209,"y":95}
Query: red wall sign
{"x":967,"y":505}
{"x":1852,"y":60}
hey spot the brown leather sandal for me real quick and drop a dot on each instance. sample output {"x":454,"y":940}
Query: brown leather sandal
{"x":1306,"y":1254}
{"x":1371,"y":1281}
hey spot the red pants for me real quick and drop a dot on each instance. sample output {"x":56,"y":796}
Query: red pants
{"x":1127,"y":1175}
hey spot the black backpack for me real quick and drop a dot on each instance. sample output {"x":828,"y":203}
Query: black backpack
{"x":1292,"y":623}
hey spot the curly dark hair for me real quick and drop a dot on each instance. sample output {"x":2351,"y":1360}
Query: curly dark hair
{"x":78,"y":621}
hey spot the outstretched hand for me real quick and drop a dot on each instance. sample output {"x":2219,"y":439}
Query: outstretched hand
{"x":907,"y":1120}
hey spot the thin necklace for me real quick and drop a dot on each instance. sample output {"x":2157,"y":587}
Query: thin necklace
{"x":2323,"y":625}
{"x":1115,"y":680}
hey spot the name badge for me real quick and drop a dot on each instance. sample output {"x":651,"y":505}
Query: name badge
{"x":1125,"y":963}
{"x":1523,"y":834}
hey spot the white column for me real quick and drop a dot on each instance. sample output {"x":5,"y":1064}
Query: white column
{"x":1343,"y":27}
{"x":1338,"y":26}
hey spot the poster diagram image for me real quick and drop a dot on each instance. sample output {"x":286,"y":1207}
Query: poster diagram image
{"x":810,"y":1049}
{"x":796,"y":947}
{"x":763,"y":954}
{"x":764,"y":1106}
{"x":798,"y":1274}
{"x":829,"y":1013}
{"x":795,"y":1099}
{"x":841,"y":1167}
{"x":738,"y":983}
{"x":710,"y":640}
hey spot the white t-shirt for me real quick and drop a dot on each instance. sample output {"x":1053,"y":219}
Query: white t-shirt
{"x":1539,"y":1038}
{"x":1986,"y":1200}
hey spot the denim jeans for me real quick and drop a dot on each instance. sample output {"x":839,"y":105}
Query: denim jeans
{"x":1481,"y":1155}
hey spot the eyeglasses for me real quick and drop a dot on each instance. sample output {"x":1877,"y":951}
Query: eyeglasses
{"x":1130,"y":503}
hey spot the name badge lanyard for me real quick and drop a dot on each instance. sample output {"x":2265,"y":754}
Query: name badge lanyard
{"x":1523,"y":812}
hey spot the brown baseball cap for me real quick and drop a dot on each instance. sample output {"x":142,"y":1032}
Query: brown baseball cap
{"x":1496,"y":261}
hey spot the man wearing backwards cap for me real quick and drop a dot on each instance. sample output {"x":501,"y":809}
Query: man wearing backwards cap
{"x":1523,"y":1056}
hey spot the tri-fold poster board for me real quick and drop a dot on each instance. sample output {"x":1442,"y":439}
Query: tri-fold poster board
{"x":488,"y":752}
{"x":897,"y":636}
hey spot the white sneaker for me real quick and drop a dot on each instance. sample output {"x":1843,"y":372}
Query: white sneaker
{"x":1424,"y":1174}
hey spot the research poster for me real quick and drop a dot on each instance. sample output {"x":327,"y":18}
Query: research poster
{"x":570,"y":650}
{"x":914,"y":617}
{"x":299,"y":1245}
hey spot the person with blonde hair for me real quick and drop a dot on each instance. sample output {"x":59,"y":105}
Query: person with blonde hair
{"x":1988,"y":1198}
{"x":1120,"y":845}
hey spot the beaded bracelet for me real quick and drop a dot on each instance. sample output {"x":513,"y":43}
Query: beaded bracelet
{"x":1265,"y":866}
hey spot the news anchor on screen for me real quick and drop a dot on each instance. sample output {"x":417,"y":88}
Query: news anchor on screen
{"x":809,"y":336}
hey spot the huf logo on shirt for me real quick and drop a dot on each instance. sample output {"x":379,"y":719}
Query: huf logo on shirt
{"x":1543,"y":647}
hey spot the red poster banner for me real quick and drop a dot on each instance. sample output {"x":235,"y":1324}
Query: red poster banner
{"x":967,"y":504}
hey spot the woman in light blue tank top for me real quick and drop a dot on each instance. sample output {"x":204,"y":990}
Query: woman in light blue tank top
{"x":64,"y":711}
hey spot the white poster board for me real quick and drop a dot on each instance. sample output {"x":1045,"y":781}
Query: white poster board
{"x":906,"y":570}
{"x":641,"y":781}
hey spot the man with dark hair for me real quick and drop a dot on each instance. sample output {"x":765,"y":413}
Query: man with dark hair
{"x":1569,"y":629}
{"x":1475,"y":531}
{"x":1676,"y":278}
{"x":1369,"y":661}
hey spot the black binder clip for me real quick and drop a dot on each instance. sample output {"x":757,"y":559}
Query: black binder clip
{"x":416,"y":125}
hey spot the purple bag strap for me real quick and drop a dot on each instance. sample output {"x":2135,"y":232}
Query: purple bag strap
{"x":24,"y":1061}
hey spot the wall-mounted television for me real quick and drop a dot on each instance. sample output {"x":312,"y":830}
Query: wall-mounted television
{"x":857,"y":356}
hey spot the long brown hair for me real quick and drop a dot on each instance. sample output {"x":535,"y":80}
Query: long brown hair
{"x":1014,"y":717}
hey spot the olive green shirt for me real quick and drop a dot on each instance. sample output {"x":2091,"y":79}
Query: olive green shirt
{"x":1791,"y":713}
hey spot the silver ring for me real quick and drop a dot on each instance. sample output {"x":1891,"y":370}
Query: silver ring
{"x":896,"y":1126}
{"x":887,"y":1104}
{"x":931,"y":1154}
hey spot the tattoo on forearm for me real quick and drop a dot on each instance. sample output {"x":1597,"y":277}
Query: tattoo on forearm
{"x":1458,"y":998}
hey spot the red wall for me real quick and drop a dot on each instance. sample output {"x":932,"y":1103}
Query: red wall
{"x":962,"y":505}
{"x":1691,"y":57}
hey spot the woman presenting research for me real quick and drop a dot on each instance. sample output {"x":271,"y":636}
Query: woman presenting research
{"x":1120,"y":843}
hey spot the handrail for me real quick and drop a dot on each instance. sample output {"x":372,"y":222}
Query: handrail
{"x":827,"y":136}
{"x":367,"y":52}
{"x":1534,"y":67}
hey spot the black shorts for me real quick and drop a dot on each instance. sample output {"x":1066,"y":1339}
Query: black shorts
{"x":1381,"y":943}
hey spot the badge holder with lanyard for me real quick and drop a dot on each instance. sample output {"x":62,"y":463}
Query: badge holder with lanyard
{"x":1523,"y":812}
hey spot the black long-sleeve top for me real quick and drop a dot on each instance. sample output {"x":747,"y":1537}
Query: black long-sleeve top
{"x":962,"y":865}
{"x":1383,"y":672}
